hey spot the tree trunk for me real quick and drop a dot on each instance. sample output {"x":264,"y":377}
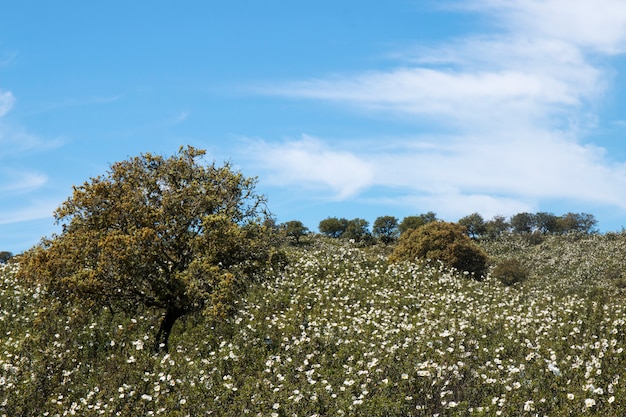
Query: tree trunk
{"x":162,"y":337}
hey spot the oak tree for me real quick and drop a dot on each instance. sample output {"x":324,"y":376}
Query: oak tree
{"x":295,"y":230}
{"x":333,"y":226}
{"x":386,"y":229}
{"x":174,"y":234}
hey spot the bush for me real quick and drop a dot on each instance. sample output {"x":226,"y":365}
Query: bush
{"x":510,"y":271}
{"x":443,"y":241}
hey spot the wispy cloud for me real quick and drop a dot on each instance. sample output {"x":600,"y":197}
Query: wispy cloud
{"x":599,"y":25}
{"x":6,"y":102}
{"x":20,"y":181}
{"x":35,"y":210}
{"x":310,"y":163}
{"x":516,"y":104}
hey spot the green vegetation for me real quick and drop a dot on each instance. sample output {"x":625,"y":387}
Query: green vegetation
{"x":172,"y":253}
{"x":294,"y":230}
{"x":445,"y":242}
{"x":171,"y":234}
{"x":510,"y":271}
{"x":386,"y":229}
{"x":340,"y":332}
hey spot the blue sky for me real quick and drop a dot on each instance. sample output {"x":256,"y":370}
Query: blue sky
{"x":341,"y":108}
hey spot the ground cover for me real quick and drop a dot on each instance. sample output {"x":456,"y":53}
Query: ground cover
{"x":341,"y":331}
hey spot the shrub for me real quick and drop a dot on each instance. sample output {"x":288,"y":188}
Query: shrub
{"x":510,"y":271}
{"x":443,"y":241}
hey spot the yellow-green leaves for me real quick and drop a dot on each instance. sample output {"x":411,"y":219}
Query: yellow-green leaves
{"x":172,"y":233}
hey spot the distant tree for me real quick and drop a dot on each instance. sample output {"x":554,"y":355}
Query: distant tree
{"x":295,"y":229}
{"x":172,"y":234}
{"x":546,"y":222}
{"x":5,"y":256}
{"x":386,"y":229}
{"x":333,"y":226}
{"x":443,"y":241}
{"x":523,"y":222}
{"x":496,"y":226}
{"x":357,"y":230}
{"x":577,"y":222}
{"x":475,"y":225}
{"x":413,"y":222}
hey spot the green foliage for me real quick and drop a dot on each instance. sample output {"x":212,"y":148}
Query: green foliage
{"x":442,"y":241}
{"x":496,"y":227}
{"x":474,"y":224}
{"x":5,"y":256}
{"x":386,"y":229}
{"x":510,"y":271}
{"x":523,"y":222}
{"x":333,"y":226}
{"x":546,"y":222}
{"x":413,"y":222}
{"x":171,"y":234}
{"x":347,"y":334}
{"x":357,"y":230}
{"x":294,"y":229}
{"x":577,"y":222}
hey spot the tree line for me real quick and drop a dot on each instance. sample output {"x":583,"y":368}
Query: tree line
{"x":387,"y":229}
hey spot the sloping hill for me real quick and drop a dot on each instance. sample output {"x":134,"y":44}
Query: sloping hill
{"x":342,"y":332}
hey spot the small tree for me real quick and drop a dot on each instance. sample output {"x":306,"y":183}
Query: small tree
{"x":5,"y":256}
{"x":171,"y":234}
{"x":546,"y":222}
{"x":413,"y":222}
{"x":333,"y":227}
{"x":523,"y":222}
{"x":496,"y":226}
{"x":447,"y":242}
{"x":474,"y":224}
{"x":386,"y":229}
{"x":295,"y":229}
{"x":577,"y":222}
{"x":357,"y":230}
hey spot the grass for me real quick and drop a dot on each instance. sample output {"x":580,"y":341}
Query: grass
{"x":342,"y":332}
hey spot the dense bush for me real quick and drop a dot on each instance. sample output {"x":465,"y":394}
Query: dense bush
{"x":443,"y":241}
{"x":510,"y":271}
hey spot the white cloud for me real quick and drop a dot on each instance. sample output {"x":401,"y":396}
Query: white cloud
{"x":518,"y":102}
{"x":310,"y":163}
{"x":599,"y":25}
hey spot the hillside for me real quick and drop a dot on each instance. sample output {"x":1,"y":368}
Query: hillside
{"x":342,"y":332}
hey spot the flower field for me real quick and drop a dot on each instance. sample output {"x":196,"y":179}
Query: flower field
{"x":342,"y":332}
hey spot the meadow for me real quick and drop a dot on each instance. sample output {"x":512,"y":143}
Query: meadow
{"x":341,"y":331}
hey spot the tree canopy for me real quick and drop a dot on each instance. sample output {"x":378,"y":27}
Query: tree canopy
{"x":413,"y":222}
{"x":443,"y":241}
{"x":386,"y":229}
{"x":5,"y":256}
{"x":173,"y":234}
{"x":295,"y":230}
